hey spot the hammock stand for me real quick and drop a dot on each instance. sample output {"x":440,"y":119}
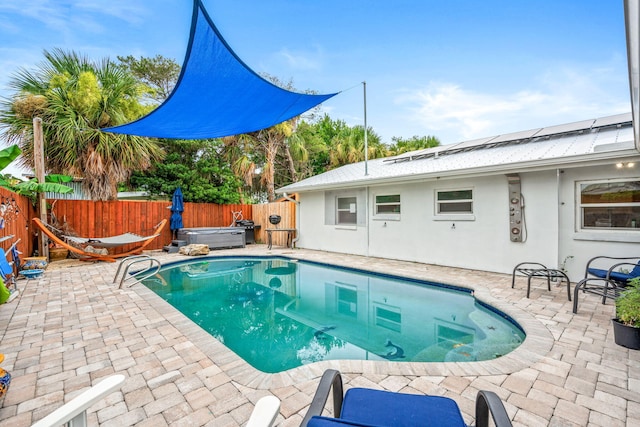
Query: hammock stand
{"x":115,"y":241}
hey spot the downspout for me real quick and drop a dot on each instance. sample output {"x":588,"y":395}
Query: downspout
{"x":295,"y":239}
{"x":559,"y":203}
{"x":367,"y":222}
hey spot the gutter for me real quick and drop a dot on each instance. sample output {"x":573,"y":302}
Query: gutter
{"x":295,"y":239}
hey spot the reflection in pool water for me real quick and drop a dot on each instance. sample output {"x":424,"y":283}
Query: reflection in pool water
{"x":278,"y":313}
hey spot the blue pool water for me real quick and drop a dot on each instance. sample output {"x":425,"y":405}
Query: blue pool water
{"x":277,"y":313}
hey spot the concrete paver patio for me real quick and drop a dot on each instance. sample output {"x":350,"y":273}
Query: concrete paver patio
{"x":73,"y":327}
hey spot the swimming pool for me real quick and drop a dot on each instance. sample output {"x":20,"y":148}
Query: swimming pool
{"x":278,"y":313}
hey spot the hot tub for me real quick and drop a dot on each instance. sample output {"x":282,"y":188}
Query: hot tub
{"x":215,"y":237}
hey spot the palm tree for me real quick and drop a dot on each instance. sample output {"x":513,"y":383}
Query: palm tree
{"x":404,"y":145}
{"x":75,"y":99}
{"x":237,"y":151}
{"x":259,"y":151}
{"x":348,"y":146}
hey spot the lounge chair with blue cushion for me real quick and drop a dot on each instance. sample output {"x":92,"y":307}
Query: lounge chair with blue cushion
{"x":607,"y":276}
{"x":6,"y":270}
{"x":376,"y":408}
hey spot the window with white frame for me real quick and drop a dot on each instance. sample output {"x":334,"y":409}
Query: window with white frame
{"x":454,"y":202}
{"x":387,"y":205}
{"x":347,"y":301}
{"x":388,"y":317}
{"x":346,"y":212}
{"x":610,"y":204}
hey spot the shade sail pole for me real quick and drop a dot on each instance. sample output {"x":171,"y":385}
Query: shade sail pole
{"x":366,"y":144}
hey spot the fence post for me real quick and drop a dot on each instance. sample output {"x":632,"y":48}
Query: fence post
{"x":38,"y":160}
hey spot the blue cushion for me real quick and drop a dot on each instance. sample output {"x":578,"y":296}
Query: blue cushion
{"x":636,"y":271}
{"x":384,"y":408}
{"x":615,"y":275}
{"x":334,"y":422}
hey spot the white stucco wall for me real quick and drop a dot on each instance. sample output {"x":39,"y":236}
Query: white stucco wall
{"x":581,"y":246}
{"x":482,"y":242}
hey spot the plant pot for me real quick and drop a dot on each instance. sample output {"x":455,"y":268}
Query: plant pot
{"x":35,"y":262}
{"x":57,"y":254}
{"x":626,"y":336}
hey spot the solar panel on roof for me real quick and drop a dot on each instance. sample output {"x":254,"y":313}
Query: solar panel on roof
{"x":566,"y":128}
{"x":516,"y":136}
{"x":419,"y":154}
{"x":472,"y":144}
{"x":506,"y":139}
{"x":612,"y":120}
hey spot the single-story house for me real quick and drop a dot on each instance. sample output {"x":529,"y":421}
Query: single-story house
{"x":557,"y":195}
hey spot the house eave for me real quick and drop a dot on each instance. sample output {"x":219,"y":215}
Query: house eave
{"x":585,"y":160}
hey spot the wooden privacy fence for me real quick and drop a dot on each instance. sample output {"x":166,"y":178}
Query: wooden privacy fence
{"x":287,"y":210}
{"x":16,"y":223}
{"x":88,"y":218}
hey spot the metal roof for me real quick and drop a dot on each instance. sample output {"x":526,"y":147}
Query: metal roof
{"x":550,"y":147}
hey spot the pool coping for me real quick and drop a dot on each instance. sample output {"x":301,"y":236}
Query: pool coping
{"x":537,"y":344}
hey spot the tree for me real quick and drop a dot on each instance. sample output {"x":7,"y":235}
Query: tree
{"x":401,"y":145}
{"x":75,"y":99}
{"x":32,"y":187}
{"x":159,"y":75}
{"x":348,"y":146}
{"x":271,"y":151}
{"x":197,"y":167}
{"x":316,"y":160}
{"x":238,"y":151}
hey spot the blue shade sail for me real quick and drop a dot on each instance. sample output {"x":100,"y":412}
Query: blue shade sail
{"x":217,"y":94}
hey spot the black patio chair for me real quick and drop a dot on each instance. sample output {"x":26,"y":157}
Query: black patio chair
{"x":606,"y":276}
{"x":368,"y":407}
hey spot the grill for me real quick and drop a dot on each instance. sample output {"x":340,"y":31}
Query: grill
{"x":275,"y":219}
{"x":249,"y":229}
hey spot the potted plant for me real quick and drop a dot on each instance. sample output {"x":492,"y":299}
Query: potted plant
{"x":626,"y":326}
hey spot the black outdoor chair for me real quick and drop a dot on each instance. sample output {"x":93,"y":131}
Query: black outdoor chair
{"x":609,"y":281}
{"x":367,"y":407}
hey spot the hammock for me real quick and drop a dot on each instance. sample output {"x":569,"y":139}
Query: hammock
{"x":108,"y":242}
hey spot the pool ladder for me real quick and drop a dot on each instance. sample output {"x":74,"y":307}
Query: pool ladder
{"x":128,"y":262}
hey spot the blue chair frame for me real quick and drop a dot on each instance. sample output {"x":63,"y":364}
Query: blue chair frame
{"x":368,"y":407}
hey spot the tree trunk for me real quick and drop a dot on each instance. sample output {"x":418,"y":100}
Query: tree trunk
{"x":292,"y":167}
{"x":270,"y":164}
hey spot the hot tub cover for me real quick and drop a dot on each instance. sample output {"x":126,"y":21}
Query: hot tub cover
{"x":217,"y":94}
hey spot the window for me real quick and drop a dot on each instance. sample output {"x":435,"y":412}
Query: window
{"x":389,"y":318}
{"x":346,"y":212}
{"x":454,"y":202}
{"x":347,"y":301}
{"x":387,"y":206}
{"x":610,"y":205}
{"x":452,"y":335}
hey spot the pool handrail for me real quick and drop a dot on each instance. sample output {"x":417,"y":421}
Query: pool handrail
{"x":152,"y":269}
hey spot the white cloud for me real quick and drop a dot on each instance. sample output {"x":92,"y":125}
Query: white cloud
{"x":302,"y":60}
{"x":555,"y":97}
{"x":124,"y":10}
{"x":67,"y":15}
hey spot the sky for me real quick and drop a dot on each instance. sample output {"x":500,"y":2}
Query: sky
{"x":457,"y":69}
